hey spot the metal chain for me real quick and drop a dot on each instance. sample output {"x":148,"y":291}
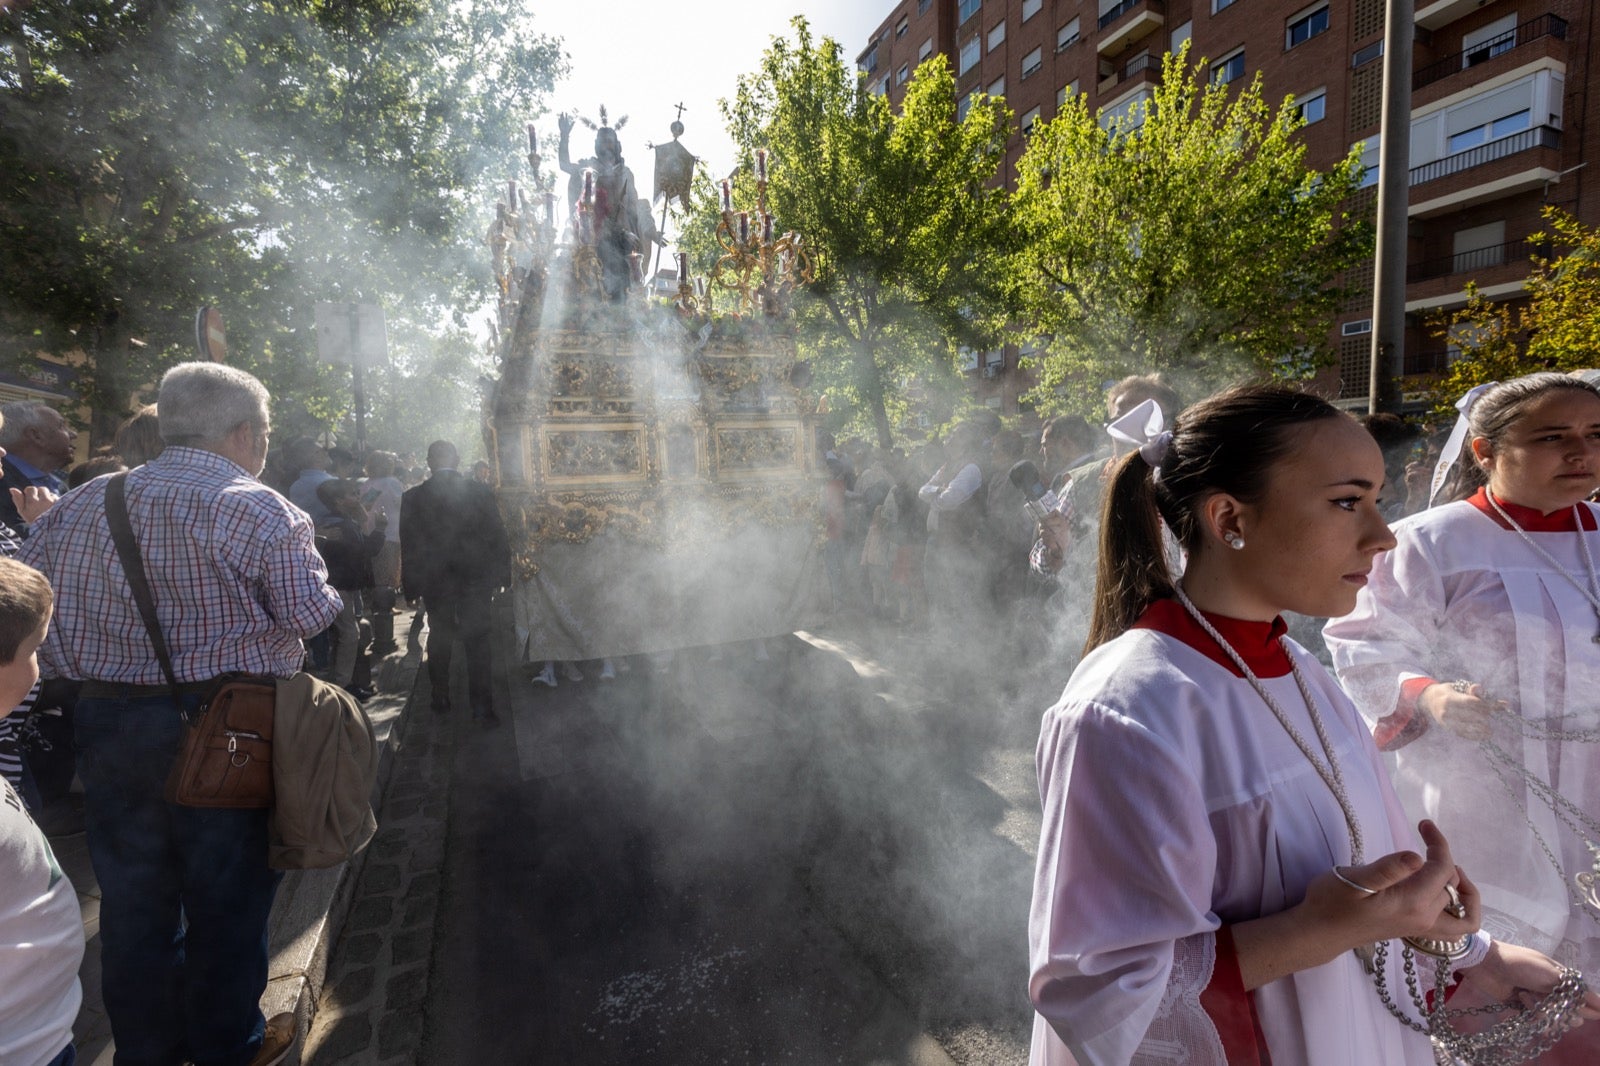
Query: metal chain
{"x":1586,"y":828}
{"x":1523,"y":1036}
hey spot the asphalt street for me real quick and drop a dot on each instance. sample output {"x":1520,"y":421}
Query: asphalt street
{"x":716,"y":859}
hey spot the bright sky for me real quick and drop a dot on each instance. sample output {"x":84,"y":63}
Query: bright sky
{"x":640,"y":58}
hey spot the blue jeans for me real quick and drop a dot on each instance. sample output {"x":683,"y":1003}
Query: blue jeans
{"x":185,"y":894}
{"x":68,"y":1056}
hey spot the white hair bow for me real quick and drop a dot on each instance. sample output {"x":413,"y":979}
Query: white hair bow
{"x":1145,"y":428}
{"x":1457,"y":439}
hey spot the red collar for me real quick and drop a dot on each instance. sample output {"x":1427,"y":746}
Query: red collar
{"x":1531,"y":520}
{"x":1256,"y":642}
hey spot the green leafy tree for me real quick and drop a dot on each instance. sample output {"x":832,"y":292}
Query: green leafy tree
{"x":164,"y":154}
{"x":1188,"y":237}
{"x":1557,"y":328}
{"x":900,"y":211}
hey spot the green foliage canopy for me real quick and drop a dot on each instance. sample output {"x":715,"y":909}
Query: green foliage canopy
{"x":1187,"y":237}
{"x":261,"y":157}
{"x":901,"y":211}
{"x":1558,"y":328}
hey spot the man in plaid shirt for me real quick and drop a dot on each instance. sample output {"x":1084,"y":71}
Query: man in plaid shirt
{"x":237,"y":585}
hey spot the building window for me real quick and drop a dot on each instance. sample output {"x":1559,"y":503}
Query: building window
{"x":923,"y":5}
{"x":926,"y":50}
{"x":1370,"y":152}
{"x":1482,"y":45}
{"x":963,"y":106}
{"x":1067,"y":35}
{"x":1306,"y":26}
{"x":997,"y":36}
{"x":1069,"y":89}
{"x":1313,"y":107}
{"x":1030,"y":120}
{"x":904,"y":75}
{"x":869,"y":62}
{"x":1227,"y":70}
{"x":1493,"y":130}
{"x":1180,"y":36}
{"x":998,"y":86}
{"x":1478,"y":247}
{"x":966,"y":9}
{"x":901,"y":27}
{"x":1130,"y":113}
{"x":1031,"y":8}
{"x":1218,"y":5}
{"x":1367,"y":54}
{"x":1032,"y":62}
{"x":969,"y":55}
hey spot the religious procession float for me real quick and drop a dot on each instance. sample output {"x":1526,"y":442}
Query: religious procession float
{"x":656,"y":457}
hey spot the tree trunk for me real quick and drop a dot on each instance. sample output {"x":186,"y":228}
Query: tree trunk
{"x":870,"y":380}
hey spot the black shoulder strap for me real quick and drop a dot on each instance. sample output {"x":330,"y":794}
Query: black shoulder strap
{"x":133,"y":566}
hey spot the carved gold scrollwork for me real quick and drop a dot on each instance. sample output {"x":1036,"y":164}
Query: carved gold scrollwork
{"x":596,"y":453}
{"x":757,"y":449}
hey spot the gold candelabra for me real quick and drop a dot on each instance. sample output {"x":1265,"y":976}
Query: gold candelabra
{"x":762,"y":269}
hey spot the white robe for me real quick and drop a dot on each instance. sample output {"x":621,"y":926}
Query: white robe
{"x":1174,"y":802}
{"x":1462,"y":598}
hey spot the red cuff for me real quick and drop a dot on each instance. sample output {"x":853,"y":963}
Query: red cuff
{"x":1406,"y":722}
{"x":1232,"y":1009}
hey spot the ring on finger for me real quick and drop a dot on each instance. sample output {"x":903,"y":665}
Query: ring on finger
{"x":1455,"y":908}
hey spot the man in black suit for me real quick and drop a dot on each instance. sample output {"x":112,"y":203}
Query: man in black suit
{"x":454,"y":555}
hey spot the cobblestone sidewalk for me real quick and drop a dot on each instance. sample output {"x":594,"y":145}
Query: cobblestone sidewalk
{"x":370,"y":1011}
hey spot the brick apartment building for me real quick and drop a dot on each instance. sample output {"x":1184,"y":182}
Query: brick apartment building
{"x":1500,"y":96}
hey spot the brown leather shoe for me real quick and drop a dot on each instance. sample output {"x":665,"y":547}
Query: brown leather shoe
{"x":277,"y":1042}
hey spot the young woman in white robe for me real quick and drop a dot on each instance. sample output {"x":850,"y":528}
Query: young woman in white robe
{"x":1494,"y":595}
{"x":1198,"y":898}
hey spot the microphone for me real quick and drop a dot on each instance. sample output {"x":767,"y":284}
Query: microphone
{"x":1040,"y":500}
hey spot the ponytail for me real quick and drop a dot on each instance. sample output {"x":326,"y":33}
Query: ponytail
{"x":1227,"y":443}
{"x":1133,"y":571}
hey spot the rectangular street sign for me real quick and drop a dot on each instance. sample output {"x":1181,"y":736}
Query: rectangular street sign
{"x":351,"y":333}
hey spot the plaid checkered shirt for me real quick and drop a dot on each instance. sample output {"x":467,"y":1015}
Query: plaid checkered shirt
{"x":232,"y":565}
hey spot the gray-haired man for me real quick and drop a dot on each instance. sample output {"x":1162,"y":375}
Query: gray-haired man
{"x":237,"y":583}
{"x":38,"y":443}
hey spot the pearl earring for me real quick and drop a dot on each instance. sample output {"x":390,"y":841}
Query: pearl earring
{"x":1234,"y":541}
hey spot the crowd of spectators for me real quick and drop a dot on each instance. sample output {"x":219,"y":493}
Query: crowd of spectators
{"x":261,"y":562}
{"x":938,"y":536}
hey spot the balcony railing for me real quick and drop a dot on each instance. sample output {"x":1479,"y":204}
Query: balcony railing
{"x":1477,"y":259}
{"x":1122,"y":9}
{"x":1526,"y":33}
{"x":1429,"y":361}
{"x":1146,"y":62}
{"x":1143,"y":63}
{"x":1538,"y":137}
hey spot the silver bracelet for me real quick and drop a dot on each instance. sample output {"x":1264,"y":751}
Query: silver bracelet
{"x":1363,"y":889}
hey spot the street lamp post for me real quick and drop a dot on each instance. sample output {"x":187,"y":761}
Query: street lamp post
{"x":1394,"y":190}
